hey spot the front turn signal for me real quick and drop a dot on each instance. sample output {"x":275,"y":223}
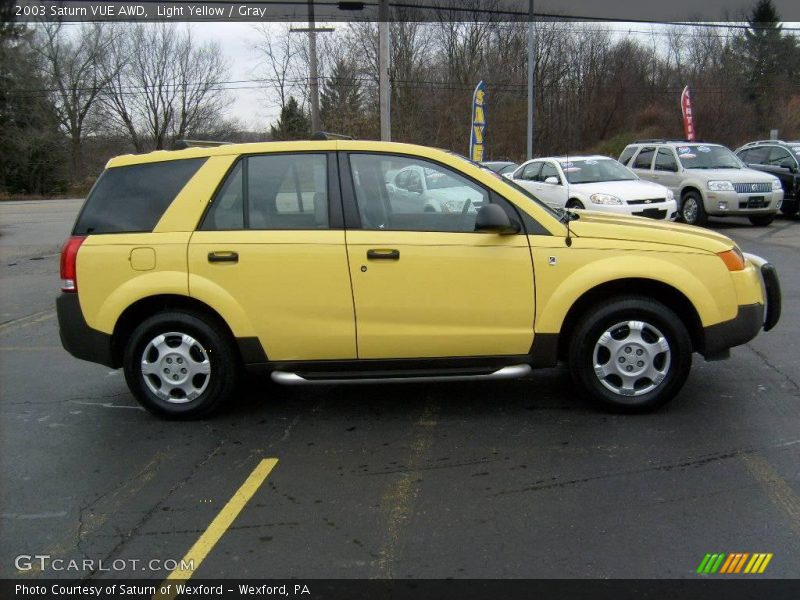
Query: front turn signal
{"x":733,"y":259}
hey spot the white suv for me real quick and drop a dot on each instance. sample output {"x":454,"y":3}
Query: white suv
{"x":707,"y":179}
{"x":595,"y":183}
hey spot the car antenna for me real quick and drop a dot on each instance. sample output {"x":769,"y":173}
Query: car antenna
{"x":567,"y":214}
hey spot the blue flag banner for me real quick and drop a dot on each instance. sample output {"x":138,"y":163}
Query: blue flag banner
{"x":476,"y":137}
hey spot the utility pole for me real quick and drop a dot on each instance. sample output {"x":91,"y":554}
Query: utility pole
{"x":313,"y":66}
{"x":531,"y":80}
{"x":383,"y":68}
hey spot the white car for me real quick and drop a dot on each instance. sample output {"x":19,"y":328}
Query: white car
{"x":416,"y":188}
{"x":594,"y":183}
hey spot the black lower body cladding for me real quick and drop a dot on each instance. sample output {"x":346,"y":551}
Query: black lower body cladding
{"x":77,"y":337}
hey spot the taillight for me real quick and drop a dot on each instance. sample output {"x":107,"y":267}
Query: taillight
{"x":69,"y":259}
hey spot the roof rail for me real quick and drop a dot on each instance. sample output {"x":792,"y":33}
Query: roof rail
{"x":664,"y":141}
{"x":183,"y":144}
{"x":327,"y":135}
{"x":764,"y":142}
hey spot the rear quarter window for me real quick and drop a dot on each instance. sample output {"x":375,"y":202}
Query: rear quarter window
{"x":132,"y":199}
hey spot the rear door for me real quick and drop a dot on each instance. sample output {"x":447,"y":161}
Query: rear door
{"x":272,"y":246}
{"x":665,"y":170}
{"x":643,"y":162}
{"x":425,"y":284}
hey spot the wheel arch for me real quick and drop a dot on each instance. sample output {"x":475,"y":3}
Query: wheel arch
{"x":638,"y":286}
{"x":691,"y":187}
{"x":150,"y":305}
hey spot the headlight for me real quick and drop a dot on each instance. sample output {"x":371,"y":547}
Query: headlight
{"x":776,"y":185}
{"x":670,"y":195}
{"x":720,"y":186}
{"x":604,"y":199}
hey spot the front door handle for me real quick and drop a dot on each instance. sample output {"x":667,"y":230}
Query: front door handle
{"x":217,"y":257}
{"x":383,"y":254}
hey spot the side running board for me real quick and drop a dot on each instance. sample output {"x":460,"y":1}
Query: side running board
{"x":510,"y":372}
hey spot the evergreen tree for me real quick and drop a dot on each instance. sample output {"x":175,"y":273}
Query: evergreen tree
{"x":293,"y":123}
{"x":768,"y":60}
{"x":341,"y":99}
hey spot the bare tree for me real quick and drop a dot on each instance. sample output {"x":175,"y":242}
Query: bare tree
{"x":278,"y":52}
{"x":76,"y":79}
{"x":166,"y":86}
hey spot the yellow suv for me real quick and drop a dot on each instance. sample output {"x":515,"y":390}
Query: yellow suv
{"x":321,"y":261}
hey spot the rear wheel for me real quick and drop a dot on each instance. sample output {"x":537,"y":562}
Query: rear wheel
{"x":692,"y":210}
{"x":574,"y":203}
{"x":180,"y":365}
{"x":762,"y":220}
{"x":631,"y":355}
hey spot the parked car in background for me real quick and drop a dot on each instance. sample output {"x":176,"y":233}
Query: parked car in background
{"x":778,"y":158}
{"x":501,"y":167}
{"x":416,"y":188}
{"x":596,"y":183}
{"x":707,"y":179}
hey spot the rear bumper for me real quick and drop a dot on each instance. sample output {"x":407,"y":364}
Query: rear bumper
{"x":749,"y":320}
{"x":77,"y":337}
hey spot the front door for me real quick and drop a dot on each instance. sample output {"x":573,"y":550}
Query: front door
{"x":425,"y":284}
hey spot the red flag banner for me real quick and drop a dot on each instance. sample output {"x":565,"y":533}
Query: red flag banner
{"x":686,"y":109}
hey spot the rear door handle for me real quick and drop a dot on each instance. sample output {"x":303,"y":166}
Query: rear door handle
{"x":217,"y":257}
{"x":383,"y":254}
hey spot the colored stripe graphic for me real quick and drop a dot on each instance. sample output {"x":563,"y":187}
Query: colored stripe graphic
{"x":703,"y":563}
{"x":765,"y":563}
{"x":727,"y":564}
{"x":734,"y":563}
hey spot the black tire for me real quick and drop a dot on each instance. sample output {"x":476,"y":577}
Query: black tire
{"x":213,"y":350}
{"x":573,"y":203}
{"x":673,"y":366}
{"x":790,"y":209}
{"x":692,"y":211}
{"x":762,"y":220}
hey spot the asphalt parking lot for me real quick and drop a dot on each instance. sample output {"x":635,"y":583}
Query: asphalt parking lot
{"x":514,"y":479}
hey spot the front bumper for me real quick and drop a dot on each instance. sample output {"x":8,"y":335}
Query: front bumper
{"x":77,"y":337}
{"x":732,"y":203}
{"x":662,"y":211}
{"x":750,"y":318}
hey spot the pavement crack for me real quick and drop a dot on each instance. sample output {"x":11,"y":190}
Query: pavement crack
{"x":692,"y":462}
{"x":128,"y":535}
{"x":775,"y":368}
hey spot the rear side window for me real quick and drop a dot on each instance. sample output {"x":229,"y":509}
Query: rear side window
{"x":644,"y":159}
{"x":627,"y":154}
{"x":133,"y":199}
{"x":757,"y":156}
{"x":271,"y":192}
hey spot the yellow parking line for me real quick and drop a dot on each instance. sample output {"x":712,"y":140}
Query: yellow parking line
{"x":220,"y":524}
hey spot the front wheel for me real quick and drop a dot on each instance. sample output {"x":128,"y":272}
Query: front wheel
{"x":632,"y":355}
{"x":692,"y":210}
{"x":762,"y":220}
{"x":180,"y":365}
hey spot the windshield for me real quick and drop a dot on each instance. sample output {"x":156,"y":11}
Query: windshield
{"x":591,"y":170}
{"x":437,"y":180}
{"x":558,"y":214}
{"x":707,"y":157}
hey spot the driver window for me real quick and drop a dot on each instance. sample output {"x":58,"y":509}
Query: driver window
{"x":549,"y":170}
{"x":665,"y":161}
{"x":531,"y":171}
{"x":446,"y":202}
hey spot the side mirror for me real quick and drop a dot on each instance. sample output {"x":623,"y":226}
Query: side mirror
{"x":788,"y":163}
{"x":492,"y":218}
{"x":552,"y":181}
